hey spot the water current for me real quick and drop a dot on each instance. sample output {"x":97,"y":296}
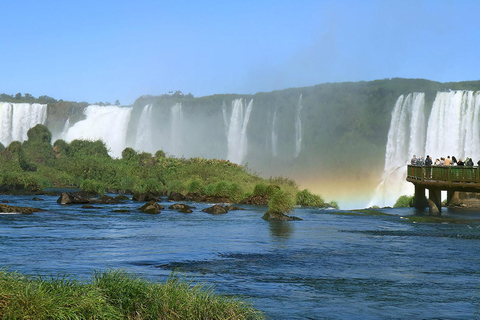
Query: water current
{"x":328,"y":266}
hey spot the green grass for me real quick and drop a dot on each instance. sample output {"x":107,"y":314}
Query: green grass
{"x":114,"y":294}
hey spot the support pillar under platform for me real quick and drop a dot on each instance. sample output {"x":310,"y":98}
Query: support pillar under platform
{"x":435,"y":201}
{"x":419,"y":199}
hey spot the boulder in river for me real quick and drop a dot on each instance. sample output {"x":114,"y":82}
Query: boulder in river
{"x":275,"y":216}
{"x":181,"y":207}
{"x":175,"y":196}
{"x":72,"y":198}
{"x":216,"y":209}
{"x":151,"y":207}
{"x":107,"y":200}
{"x":24,"y":210}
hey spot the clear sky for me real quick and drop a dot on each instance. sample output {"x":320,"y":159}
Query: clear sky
{"x":106,"y":50}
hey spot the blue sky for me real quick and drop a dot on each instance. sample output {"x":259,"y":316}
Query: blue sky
{"x":107,"y":50}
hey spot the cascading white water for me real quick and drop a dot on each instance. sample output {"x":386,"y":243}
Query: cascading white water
{"x":237,"y":130}
{"x":176,"y":129}
{"x":298,"y":128}
{"x":108,"y":124}
{"x":17,"y":118}
{"x":144,"y":137}
{"x":453,"y":129}
{"x":405,"y":138}
{"x":454,"y":126}
{"x":274,"y":135}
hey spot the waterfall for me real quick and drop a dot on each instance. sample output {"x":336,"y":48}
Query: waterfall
{"x":453,"y":127}
{"x":17,"y":118}
{"x":274,"y":135}
{"x":406,"y":137}
{"x":298,"y":128}
{"x":176,"y":129}
{"x":237,"y":130}
{"x":143,"y":140}
{"x":108,"y":124}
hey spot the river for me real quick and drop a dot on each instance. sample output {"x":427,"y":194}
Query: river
{"x":328,"y":266}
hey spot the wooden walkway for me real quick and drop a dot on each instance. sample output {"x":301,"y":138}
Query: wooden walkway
{"x":438,"y":178}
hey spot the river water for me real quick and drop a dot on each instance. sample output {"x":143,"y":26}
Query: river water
{"x":328,"y":266}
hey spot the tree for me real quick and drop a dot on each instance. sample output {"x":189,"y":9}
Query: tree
{"x":39,"y":133}
{"x":117,"y":102}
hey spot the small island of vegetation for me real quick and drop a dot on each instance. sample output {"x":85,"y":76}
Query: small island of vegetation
{"x":35,"y":165}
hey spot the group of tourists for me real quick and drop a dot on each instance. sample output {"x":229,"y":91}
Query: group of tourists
{"x":442,"y":161}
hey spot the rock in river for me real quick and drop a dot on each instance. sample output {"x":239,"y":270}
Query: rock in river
{"x":151,"y":207}
{"x":24,"y":210}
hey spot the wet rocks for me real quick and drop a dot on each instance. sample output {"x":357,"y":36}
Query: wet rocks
{"x":275,"y":216}
{"x":216,"y":209}
{"x":72,"y":198}
{"x":23,"y":210}
{"x":107,"y":200}
{"x":175,"y":196}
{"x":181,"y":207}
{"x":151,"y":207}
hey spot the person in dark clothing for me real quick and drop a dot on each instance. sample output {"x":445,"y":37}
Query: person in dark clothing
{"x":460,"y":162}
{"x":469,"y":162}
{"x":428,"y":161}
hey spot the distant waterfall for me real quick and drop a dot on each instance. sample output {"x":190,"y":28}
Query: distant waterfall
{"x":176,"y":129}
{"x":143,"y":140}
{"x":17,"y":118}
{"x":274,"y":135}
{"x":108,"y":124}
{"x":237,"y":130}
{"x":298,"y":128}
{"x":405,"y":138}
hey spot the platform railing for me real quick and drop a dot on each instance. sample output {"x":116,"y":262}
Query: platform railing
{"x":448,"y":174}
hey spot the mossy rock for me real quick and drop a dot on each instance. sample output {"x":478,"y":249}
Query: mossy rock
{"x":275,"y":216}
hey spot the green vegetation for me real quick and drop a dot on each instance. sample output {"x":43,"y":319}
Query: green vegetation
{"x":306,"y":199}
{"x":114,"y":294}
{"x":404,"y":202}
{"x":281,"y":202}
{"x":35,"y":165}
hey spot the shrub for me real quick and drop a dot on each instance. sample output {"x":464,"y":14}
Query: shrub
{"x":281,"y":202}
{"x":153,"y":185}
{"x":61,"y":147}
{"x":176,"y":186}
{"x":160,"y":154}
{"x":196,"y":187}
{"x":221,"y":189}
{"x":128,"y":154}
{"x":89,"y":148}
{"x":272,"y":189}
{"x":307,"y":199}
{"x":92,"y":186}
{"x":39,"y":133}
{"x":404,"y":202}
{"x":260,"y":189}
{"x":210,"y":189}
{"x":145,"y":159}
{"x":235,"y":192}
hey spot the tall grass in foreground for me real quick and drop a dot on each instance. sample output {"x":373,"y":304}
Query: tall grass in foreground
{"x":114,"y":294}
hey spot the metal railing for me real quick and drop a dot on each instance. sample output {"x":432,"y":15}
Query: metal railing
{"x":447,"y":174}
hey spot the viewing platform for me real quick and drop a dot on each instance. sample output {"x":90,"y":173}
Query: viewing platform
{"x":441,"y":178}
